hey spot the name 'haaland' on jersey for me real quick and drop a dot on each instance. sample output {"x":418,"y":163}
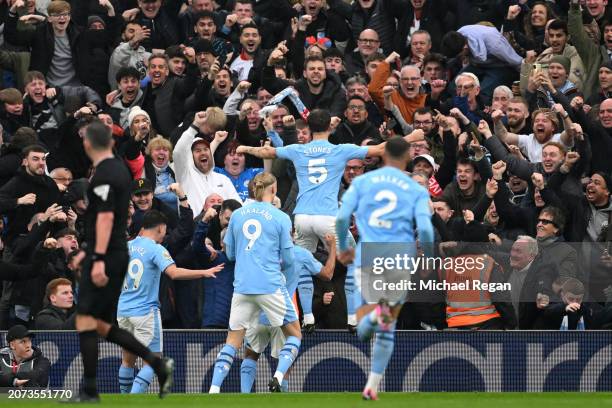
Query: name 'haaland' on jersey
{"x":258,"y":211}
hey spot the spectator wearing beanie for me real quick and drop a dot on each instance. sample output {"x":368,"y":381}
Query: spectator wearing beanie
{"x":554,"y":84}
{"x":605,"y":85}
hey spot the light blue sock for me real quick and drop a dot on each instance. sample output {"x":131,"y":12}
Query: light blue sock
{"x":306,"y":289}
{"x":126,"y":378}
{"x":382,"y":350}
{"x":285,"y":386}
{"x":366,"y":327}
{"x":349,"y":292}
{"x":287,"y":356}
{"x":248,"y":372}
{"x":225,"y":358}
{"x":143,"y":380}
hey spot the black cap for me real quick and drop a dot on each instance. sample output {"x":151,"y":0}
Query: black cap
{"x":142,"y":185}
{"x":18,"y":332}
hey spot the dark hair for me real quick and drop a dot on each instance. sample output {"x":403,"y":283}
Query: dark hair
{"x":36,"y":148}
{"x":527,"y":27}
{"x":33,"y":76}
{"x":203,"y":14}
{"x":333,"y":53}
{"x":435,"y":57}
{"x":24,"y":136}
{"x":230,"y":204}
{"x":99,"y":135}
{"x":66,"y":231}
{"x":452,"y":44}
{"x":558,"y":24}
{"x":319,"y":120}
{"x":127,"y":72}
{"x":558,"y":217}
{"x":423,"y":110}
{"x":313,"y":58}
{"x":464,"y":161}
{"x":174,"y":51}
{"x":153,"y":219}
{"x":249,"y":25}
{"x":397,"y":147}
{"x":357,"y":97}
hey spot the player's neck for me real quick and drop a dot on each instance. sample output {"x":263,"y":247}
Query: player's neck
{"x":98,"y":157}
{"x":147,"y":234}
{"x":267,"y":198}
{"x":396,"y":164}
{"x":320,"y":136}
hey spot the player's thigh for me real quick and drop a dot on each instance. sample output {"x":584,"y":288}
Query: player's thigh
{"x":305,"y":236}
{"x":278,"y":307}
{"x":149,"y":331}
{"x":258,"y":337}
{"x":277,"y":341}
{"x":243,"y":311}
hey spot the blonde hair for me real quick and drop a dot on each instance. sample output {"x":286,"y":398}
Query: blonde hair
{"x":159,"y":141}
{"x":215,"y":118}
{"x":260,"y":183}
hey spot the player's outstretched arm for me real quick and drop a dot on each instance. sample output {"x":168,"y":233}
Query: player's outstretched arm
{"x":176,"y":273}
{"x":265,"y":152}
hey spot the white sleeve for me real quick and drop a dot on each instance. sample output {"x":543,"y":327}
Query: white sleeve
{"x":181,"y":153}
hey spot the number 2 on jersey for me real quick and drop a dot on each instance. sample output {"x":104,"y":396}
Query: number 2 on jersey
{"x":251,"y":236}
{"x":391,"y":199}
{"x":135,"y":271}
{"x":319,"y":173}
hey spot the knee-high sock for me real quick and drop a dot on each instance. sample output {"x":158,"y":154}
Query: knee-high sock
{"x":89,"y":354}
{"x":225,"y":358}
{"x":349,"y":292}
{"x":285,"y":386}
{"x":286,"y":357}
{"x":381,"y":354}
{"x":306,"y":289}
{"x":127,"y":341}
{"x":366,"y":326}
{"x":143,"y":380}
{"x":248,"y":373}
{"x":126,"y":379}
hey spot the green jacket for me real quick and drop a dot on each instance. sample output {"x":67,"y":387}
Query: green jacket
{"x":592,"y":55}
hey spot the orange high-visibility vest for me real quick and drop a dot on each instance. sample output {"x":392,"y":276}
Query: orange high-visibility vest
{"x":472,"y":306}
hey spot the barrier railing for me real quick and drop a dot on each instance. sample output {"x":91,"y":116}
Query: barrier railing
{"x":338,"y":361}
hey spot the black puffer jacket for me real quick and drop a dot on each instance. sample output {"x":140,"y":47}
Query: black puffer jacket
{"x":35,"y":369}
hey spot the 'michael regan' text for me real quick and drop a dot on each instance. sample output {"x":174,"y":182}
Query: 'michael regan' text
{"x":435,"y":285}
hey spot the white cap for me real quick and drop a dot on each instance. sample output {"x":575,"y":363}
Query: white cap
{"x":429,"y":159}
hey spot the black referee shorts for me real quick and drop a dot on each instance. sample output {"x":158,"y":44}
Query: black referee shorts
{"x":101,"y":303}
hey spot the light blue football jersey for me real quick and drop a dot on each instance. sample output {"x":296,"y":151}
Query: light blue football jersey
{"x":386,"y":203}
{"x":319,"y":166}
{"x":140,"y":293}
{"x":256,"y":236}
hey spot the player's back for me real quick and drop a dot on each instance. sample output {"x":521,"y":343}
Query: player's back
{"x":256,"y":235}
{"x":387,"y":199}
{"x":140,"y":291}
{"x":319,"y":166}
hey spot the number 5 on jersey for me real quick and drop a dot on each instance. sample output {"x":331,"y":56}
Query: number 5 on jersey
{"x":251,"y":230}
{"x":317,"y":171}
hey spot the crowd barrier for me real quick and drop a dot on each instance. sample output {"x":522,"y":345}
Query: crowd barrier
{"x":338,"y":361}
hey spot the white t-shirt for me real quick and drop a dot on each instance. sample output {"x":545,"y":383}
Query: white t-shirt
{"x":532,"y":149}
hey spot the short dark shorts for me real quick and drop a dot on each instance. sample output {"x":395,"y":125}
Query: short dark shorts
{"x":101,"y":303}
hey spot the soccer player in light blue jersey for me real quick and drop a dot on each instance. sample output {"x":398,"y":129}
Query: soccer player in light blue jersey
{"x":138,"y":308}
{"x":305,"y":266}
{"x":388,"y":206}
{"x":319,"y":166}
{"x":258,"y":238}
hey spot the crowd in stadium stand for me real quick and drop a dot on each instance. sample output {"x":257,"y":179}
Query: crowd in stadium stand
{"x":513,"y":97}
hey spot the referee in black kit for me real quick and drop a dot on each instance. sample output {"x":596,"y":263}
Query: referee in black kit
{"x":105,"y":265}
